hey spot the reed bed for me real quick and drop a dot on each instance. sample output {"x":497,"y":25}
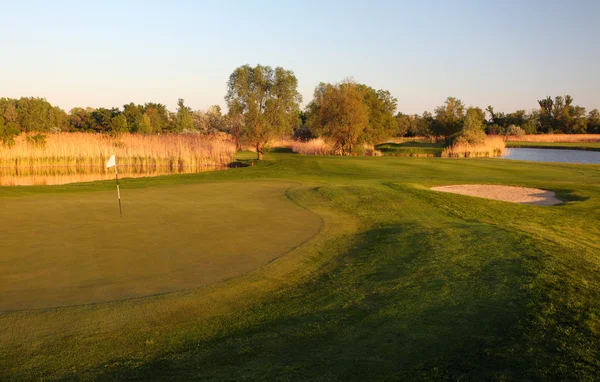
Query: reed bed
{"x":492,"y":147}
{"x":319,"y":146}
{"x":555,"y":138}
{"x":88,"y":150}
{"x":316,"y":146}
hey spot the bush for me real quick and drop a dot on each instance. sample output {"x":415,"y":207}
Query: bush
{"x":514,"y":131}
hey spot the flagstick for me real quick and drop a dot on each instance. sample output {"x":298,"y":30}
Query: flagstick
{"x":118,"y":191}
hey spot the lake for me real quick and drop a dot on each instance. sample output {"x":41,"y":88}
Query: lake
{"x":54,"y":175}
{"x":553,"y":155}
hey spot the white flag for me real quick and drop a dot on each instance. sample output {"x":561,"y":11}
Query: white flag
{"x":112,"y":161}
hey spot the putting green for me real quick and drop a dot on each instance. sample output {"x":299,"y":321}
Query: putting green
{"x":67,"y":249}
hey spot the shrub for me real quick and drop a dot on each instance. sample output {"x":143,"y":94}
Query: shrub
{"x":514,"y":131}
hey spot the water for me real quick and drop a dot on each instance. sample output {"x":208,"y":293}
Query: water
{"x":553,"y":155}
{"x":52,"y":175}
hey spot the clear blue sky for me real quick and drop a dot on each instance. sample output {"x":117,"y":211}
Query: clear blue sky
{"x":107,"y":53}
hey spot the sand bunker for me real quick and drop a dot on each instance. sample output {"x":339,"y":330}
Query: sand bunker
{"x":521,"y":195}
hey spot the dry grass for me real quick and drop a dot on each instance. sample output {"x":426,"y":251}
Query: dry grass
{"x":556,"y":138}
{"x":319,"y":146}
{"x":316,"y":146}
{"x":87,"y":150}
{"x":493,"y":146}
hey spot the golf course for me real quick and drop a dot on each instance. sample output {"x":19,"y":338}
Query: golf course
{"x":304,"y":268}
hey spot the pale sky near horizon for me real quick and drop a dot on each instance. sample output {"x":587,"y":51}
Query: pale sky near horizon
{"x":507,"y":54}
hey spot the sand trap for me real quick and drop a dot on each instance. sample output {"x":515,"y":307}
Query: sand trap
{"x":521,"y":195}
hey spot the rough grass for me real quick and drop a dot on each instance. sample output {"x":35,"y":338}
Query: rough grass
{"x":402,"y":283}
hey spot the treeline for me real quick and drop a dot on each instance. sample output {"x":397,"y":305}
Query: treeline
{"x":555,"y":116}
{"x":264,"y":103}
{"x":36,"y":115}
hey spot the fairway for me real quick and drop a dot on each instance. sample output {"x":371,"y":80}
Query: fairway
{"x":305,"y":268}
{"x":60,"y":250}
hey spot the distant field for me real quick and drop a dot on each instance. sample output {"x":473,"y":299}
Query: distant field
{"x":60,"y":250}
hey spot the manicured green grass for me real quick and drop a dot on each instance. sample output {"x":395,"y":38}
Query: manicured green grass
{"x":400,"y":283}
{"x":74,"y":249}
{"x":411,"y":149}
{"x":593,"y":146}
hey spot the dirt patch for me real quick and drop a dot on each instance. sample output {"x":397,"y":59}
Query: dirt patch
{"x":512,"y":194}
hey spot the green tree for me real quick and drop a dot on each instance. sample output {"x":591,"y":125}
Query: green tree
{"x":404,"y":125}
{"x":145,"y":125}
{"x":234,"y":125}
{"x":184,"y":119}
{"x":267,"y":98}
{"x":8,"y":132}
{"x":339,"y":112}
{"x":449,"y":118}
{"x":472,"y":131}
{"x":118,"y":124}
{"x":159,"y":116}
{"x":133,"y":115}
{"x":381,"y":106}
{"x":594,"y":121}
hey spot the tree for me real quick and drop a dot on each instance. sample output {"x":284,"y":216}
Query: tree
{"x":339,"y":112}
{"x":184,"y":119}
{"x":449,"y":117}
{"x":8,"y":132}
{"x":118,"y":124}
{"x":234,"y":125}
{"x":472,"y":131}
{"x":594,"y":121}
{"x":267,"y":98}
{"x":381,"y":106}
{"x":133,"y":115}
{"x":159,"y":116}
{"x":145,"y":125}
{"x":404,"y":125}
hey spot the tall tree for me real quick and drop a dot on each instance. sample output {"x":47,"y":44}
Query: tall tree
{"x":267,"y":98}
{"x":449,"y":117}
{"x":472,"y":131}
{"x":8,"y":132}
{"x":594,"y":121}
{"x":339,"y":112}
{"x":184,"y":119}
{"x":381,"y":106}
{"x":118,"y":124}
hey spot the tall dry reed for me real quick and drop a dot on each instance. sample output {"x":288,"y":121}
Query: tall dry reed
{"x":319,"y":146}
{"x":316,"y":146}
{"x":90,"y":150}
{"x":556,"y":138}
{"x":492,"y":147}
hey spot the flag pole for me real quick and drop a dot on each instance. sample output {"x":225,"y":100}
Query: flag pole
{"x":118,"y":191}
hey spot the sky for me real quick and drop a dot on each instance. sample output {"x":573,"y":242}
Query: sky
{"x":507,"y":54}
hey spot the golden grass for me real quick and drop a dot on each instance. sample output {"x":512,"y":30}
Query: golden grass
{"x":555,"y":138}
{"x":319,"y":146}
{"x":316,"y":146}
{"x":493,"y":146}
{"x":88,"y":150}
